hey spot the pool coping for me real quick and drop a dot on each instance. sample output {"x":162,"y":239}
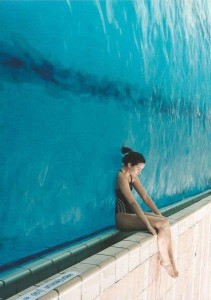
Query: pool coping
{"x":14,"y":281}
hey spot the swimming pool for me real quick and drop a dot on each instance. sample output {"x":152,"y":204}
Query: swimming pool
{"x":79,"y":80}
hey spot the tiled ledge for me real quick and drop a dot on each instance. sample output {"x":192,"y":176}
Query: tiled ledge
{"x":17,"y":279}
{"x":100,"y":274}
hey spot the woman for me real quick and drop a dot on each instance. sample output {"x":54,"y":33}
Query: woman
{"x":130,"y":216}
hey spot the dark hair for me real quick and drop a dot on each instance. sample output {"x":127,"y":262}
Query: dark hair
{"x":132,"y":157}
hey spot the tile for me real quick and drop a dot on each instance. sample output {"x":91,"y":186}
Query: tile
{"x":14,"y":275}
{"x":75,"y":249}
{"x":153,"y":246}
{"x":134,"y":257}
{"x":174,"y":230}
{"x":145,"y":295}
{"x":52,"y":295}
{"x":122,"y":260}
{"x":146,"y":274}
{"x":177,"y":216}
{"x":91,"y":286}
{"x":133,"y":283}
{"x":122,"y":291}
{"x":107,"y":265}
{"x":83,"y":269}
{"x":138,"y":237}
{"x":37,"y":265}
{"x":99,"y":260}
{"x":122,"y":266}
{"x":106,"y":238}
{"x":109,"y":294}
{"x":154,"y":266}
{"x":133,"y":248}
{"x":185,"y":241}
{"x":125,"y":244}
{"x":108,"y":276}
{"x":58,"y":257}
{"x":144,"y":251}
{"x":22,"y":293}
{"x":8,"y":291}
{"x":113,"y":251}
{"x":90,"y":275}
{"x":92,"y":242}
{"x":151,"y":291}
{"x":54,"y":277}
{"x":141,"y":277}
{"x":71,"y":289}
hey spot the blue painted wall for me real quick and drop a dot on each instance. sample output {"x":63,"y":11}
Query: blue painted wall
{"x":78,"y":79}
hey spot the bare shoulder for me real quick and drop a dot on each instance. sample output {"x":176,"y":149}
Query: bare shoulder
{"x":121,"y":177}
{"x":135,"y":179}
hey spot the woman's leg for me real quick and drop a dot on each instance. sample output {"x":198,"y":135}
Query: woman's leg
{"x":130,"y":222}
{"x":170,"y":250}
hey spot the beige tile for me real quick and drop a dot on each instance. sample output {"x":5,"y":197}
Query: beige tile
{"x":109,"y":294}
{"x":133,"y":248}
{"x":122,"y":266}
{"x":152,"y":291}
{"x":145,"y":294}
{"x":70,"y":290}
{"x":125,"y":244}
{"x":163,"y":283}
{"x":178,"y":216}
{"x":134,"y":257}
{"x":168,"y":295}
{"x":146,"y":274}
{"x":107,"y":265}
{"x":82,"y":269}
{"x":108,"y":275}
{"x":153,"y":246}
{"x":154,"y":266}
{"x":47,"y":280}
{"x":141,"y":277}
{"x":144,"y":251}
{"x":122,"y":260}
{"x":185,"y":241}
{"x":133,"y":283}
{"x":139,"y":237}
{"x":113,"y":252}
{"x":22,"y":293}
{"x":99,"y":260}
{"x":122,"y":291}
{"x":52,"y":295}
{"x":180,"y":286}
{"x":91,"y":286}
{"x":90,"y":276}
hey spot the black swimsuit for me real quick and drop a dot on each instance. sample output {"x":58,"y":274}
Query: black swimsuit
{"x":122,"y":205}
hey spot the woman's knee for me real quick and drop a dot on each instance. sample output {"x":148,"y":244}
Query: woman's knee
{"x":164,"y":224}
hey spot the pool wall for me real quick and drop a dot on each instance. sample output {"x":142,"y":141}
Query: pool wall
{"x":129,"y":269}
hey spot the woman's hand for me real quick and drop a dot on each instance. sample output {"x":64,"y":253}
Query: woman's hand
{"x":158,"y":213}
{"x":152,"y":231}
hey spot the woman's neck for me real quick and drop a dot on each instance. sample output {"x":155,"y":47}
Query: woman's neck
{"x":125,"y":171}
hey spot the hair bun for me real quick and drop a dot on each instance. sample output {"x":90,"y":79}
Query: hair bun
{"x":126,"y":150}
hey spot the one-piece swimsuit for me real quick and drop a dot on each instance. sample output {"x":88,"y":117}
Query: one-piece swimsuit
{"x":122,"y":205}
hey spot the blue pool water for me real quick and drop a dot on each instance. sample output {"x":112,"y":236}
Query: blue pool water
{"x":79,"y":79}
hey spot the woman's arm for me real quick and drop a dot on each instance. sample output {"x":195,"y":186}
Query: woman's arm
{"x":124,"y":187}
{"x":143,"y":194}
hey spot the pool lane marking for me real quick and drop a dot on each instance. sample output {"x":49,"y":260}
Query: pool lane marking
{"x":49,"y":286}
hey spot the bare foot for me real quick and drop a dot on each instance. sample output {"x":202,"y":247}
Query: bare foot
{"x":169,"y":268}
{"x":175,"y":269}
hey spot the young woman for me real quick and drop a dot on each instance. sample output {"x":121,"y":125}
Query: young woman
{"x":130,"y":216}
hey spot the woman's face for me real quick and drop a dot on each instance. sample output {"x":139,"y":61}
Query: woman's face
{"x":135,"y":170}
